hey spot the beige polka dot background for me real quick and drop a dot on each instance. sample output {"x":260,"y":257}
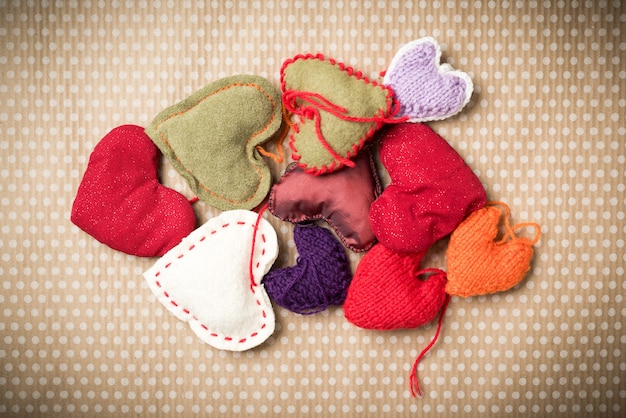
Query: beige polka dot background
{"x":81,"y":333}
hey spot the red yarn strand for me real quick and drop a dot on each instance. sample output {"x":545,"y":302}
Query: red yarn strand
{"x":321,"y":103}
{"x":413,"y":379}
{"x":254,"y":235}
{"x":317,"y":102}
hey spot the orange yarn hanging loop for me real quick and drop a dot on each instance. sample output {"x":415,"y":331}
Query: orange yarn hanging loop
{"x":287,"y":125}
{"x":509,"y":233}
{"x":479,"y":262}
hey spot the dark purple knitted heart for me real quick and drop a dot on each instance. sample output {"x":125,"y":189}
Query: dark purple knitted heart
{"x":320,"y":277}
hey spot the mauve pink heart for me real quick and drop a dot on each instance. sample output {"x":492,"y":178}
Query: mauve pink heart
{"x":426,"y":89}
{"x":342,"y":198}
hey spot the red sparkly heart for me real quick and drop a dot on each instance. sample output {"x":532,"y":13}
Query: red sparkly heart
{"x":432,"y":189}
{"x":120,"y":201}
{"x":386,"y":291}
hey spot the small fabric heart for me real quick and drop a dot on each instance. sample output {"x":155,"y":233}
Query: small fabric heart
{"x":342,"y":198}
{"x":432,"y":189}
{"x":212,"y":280}
{"x":338,"y":111}
{"x":120,"y":201}
{"x":426,"y":89}
{"x":320,"y":277}
{"x":387,"y":293}
{"x":211,"y":139}
{"x":478,"y":263}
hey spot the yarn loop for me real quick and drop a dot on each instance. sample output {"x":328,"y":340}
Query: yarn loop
{"x":315,"y":103}
{"x":479,"y":262}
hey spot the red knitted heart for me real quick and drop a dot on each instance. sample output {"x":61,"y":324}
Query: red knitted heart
{"x":386,"y":292}
{"x":120,"y":201}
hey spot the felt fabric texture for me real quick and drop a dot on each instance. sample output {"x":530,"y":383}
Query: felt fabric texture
{"x":478,"y":262}
{"x":206,"y":280}
{"x":387,"y":292}
{"x":431,"y":191}
{"x":338,"y":110}
{"x":426,"y":89}
{"x":320,"y":277}
{"x":342,"y":198}
{"x":120,"y":201}
{"x":211,"y":139}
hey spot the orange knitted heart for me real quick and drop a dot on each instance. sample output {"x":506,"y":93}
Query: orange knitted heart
{"x":480,"y":265}
{"x":386,"y":292}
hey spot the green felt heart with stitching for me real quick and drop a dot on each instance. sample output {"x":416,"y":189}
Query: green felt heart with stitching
{"x":338,"y":110}
{"x":211,"y":139}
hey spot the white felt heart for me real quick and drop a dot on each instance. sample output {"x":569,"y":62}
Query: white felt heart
{"x":426,"y":89}
{"x":212,"y":280}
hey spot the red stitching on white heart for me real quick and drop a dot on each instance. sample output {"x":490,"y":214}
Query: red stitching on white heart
{"x":195,"y":318}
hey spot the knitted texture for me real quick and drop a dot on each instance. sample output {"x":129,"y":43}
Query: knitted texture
{"x":387,"y":292}
{"x":211,"y":280}
{"x":478,"y":264}
{"x":426,"y":89}
{"x":338,"y":110}
{"x":211,"y":139}
{"x":320,"y":277}
{"x":120,"y":201}
{"x":432,"y":189}
{"x":342,"y":198}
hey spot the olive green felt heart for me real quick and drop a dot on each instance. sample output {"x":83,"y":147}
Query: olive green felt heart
{"x":338,"y":110}
{"x":211,"y":139}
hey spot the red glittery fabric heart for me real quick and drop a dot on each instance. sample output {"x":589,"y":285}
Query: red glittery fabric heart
{"x":387,"y":293}
{"x":432,"y":189}
{"x":120,"y":201}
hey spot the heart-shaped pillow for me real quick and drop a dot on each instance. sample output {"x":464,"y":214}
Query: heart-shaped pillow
{"x":478,"y":264}
{"x":342,"y":198}
{"x":338,"y":110}
{"x":320,"y":277}
{"x":386,"y":292}
{"x":426,"y":89}
{"x":432,"y":189}
{"x":120,"y":201}
{"x":211,"y":139}
{"x":212,"y":280}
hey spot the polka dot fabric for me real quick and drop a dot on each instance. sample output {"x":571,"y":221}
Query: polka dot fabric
{"x":544,"y":131}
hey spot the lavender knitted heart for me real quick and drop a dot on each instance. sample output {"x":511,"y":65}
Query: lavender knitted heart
{"x":320,"y":277}
{"x":426,"y":89}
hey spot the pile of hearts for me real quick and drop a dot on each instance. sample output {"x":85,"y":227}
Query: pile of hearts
{"x":218,"y":276}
